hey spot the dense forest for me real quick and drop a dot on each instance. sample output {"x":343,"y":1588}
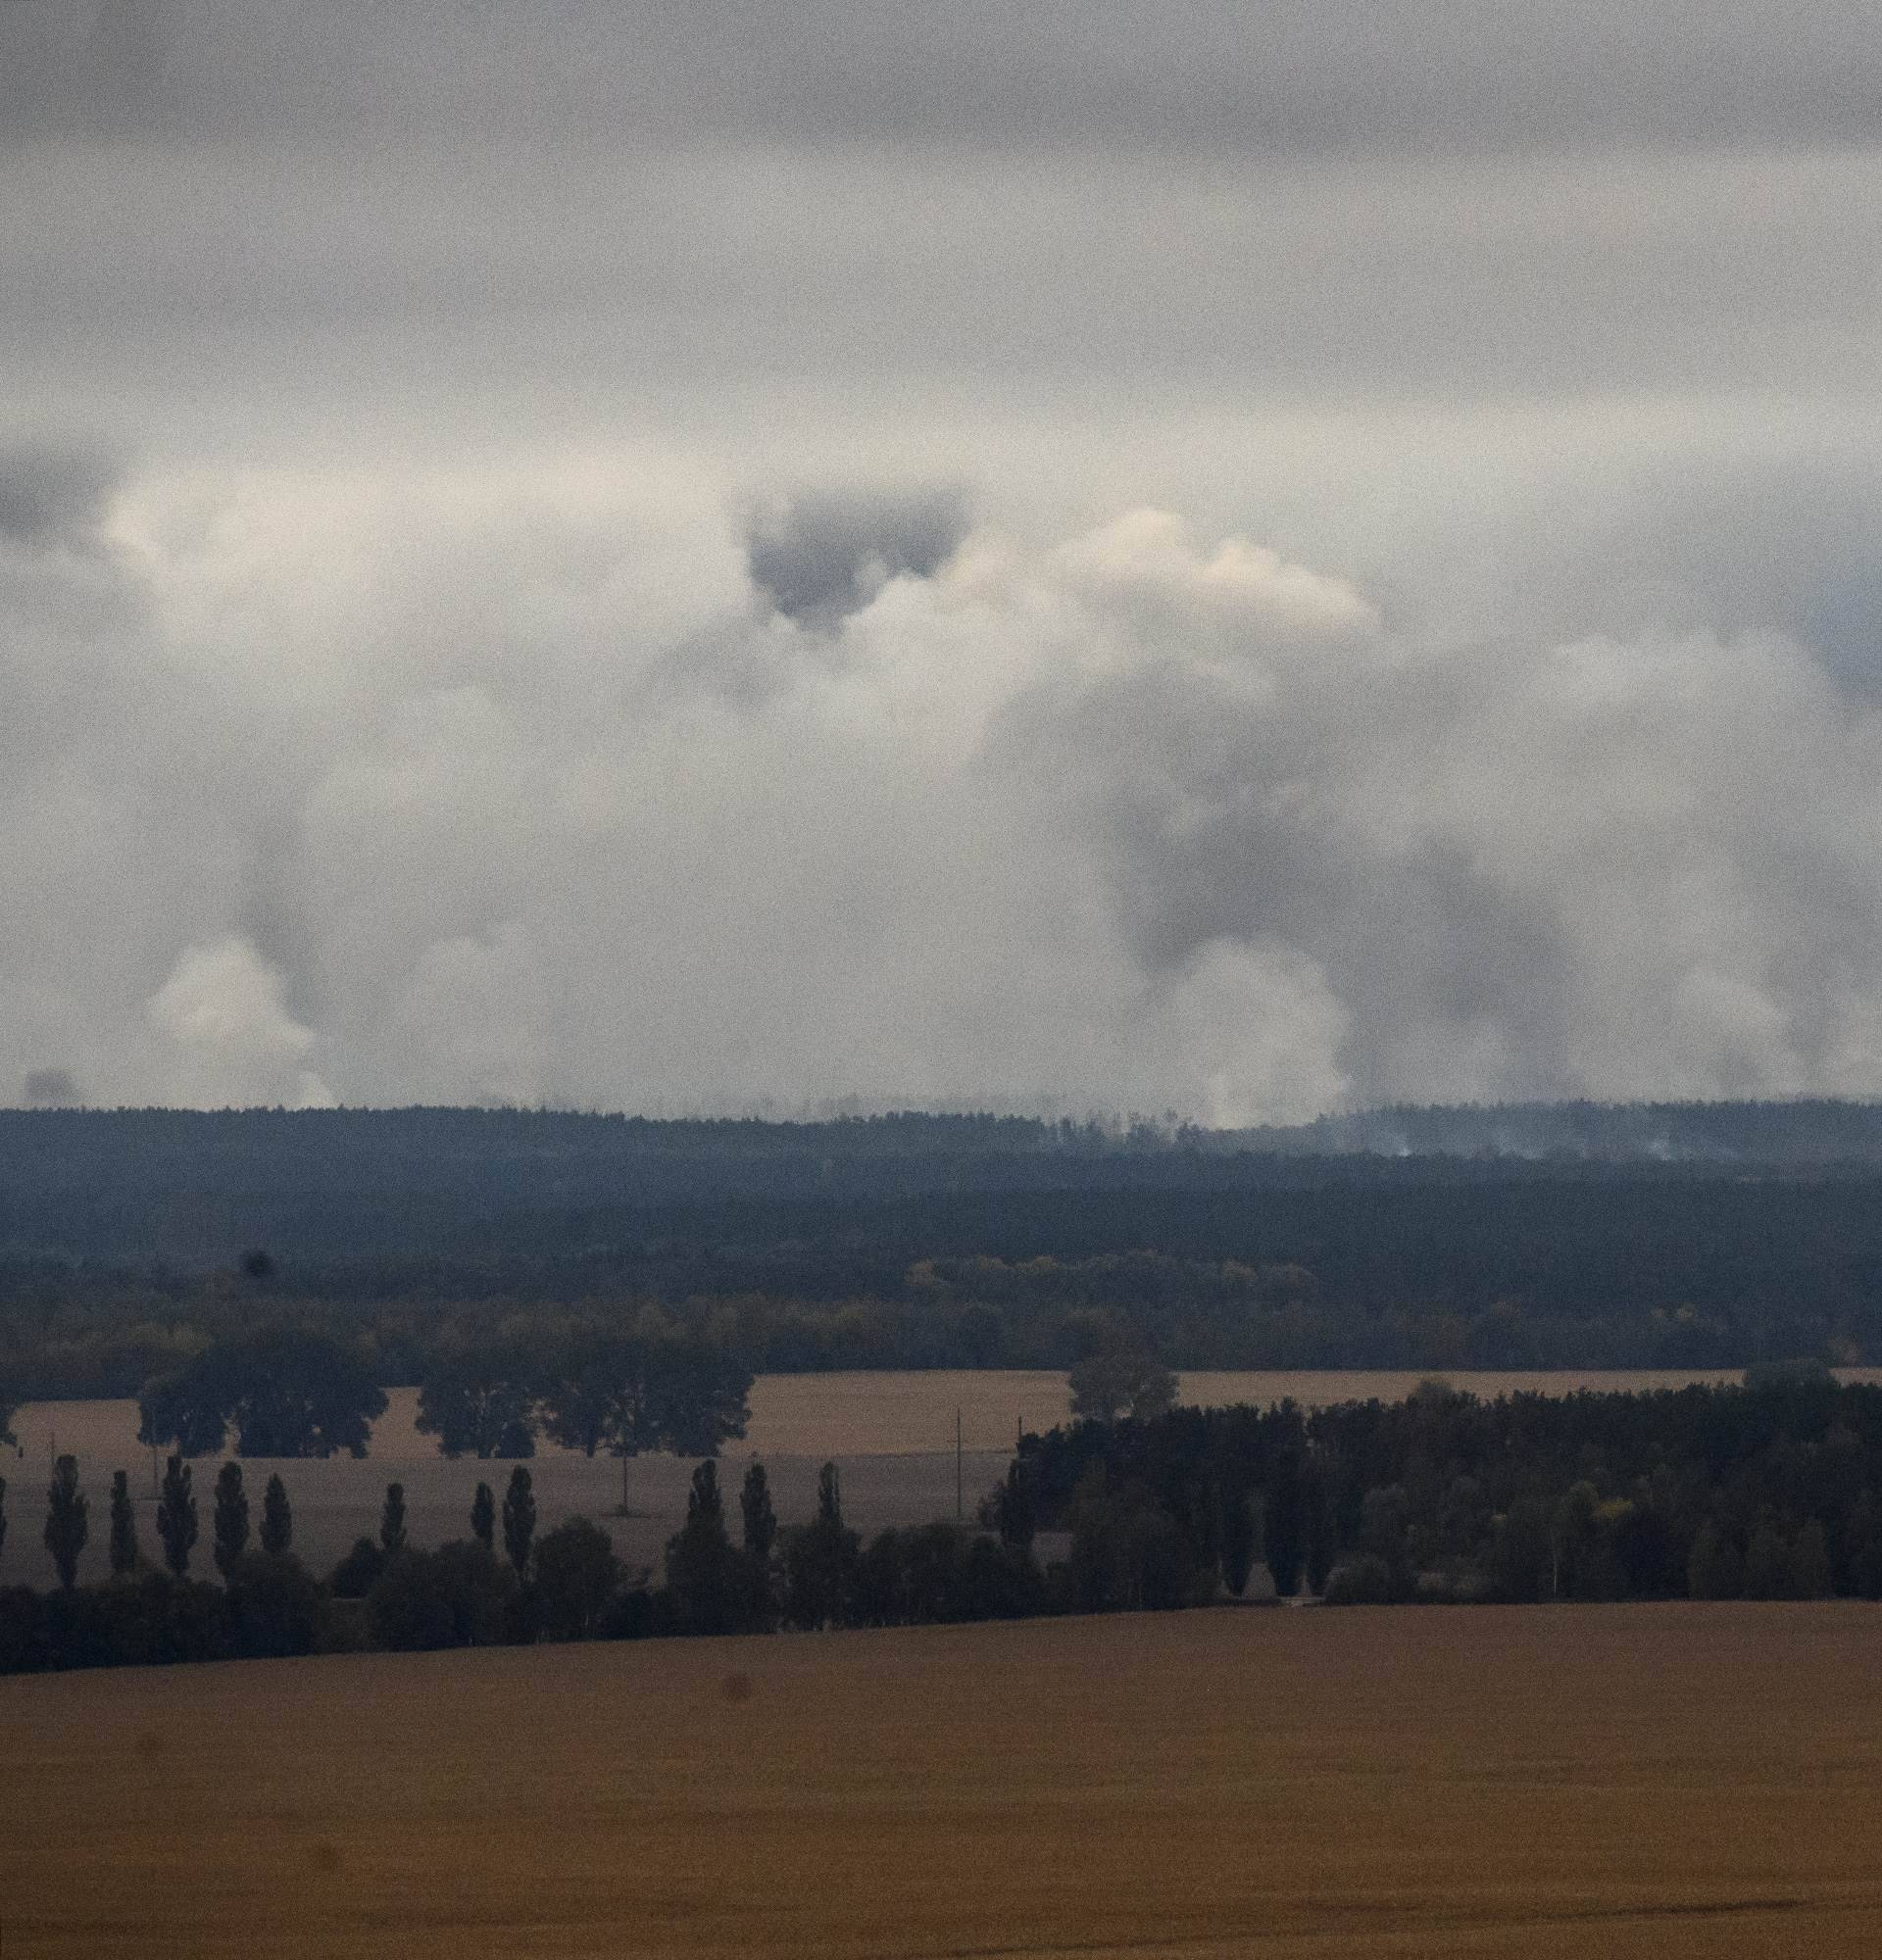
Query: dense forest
{"x":1771,"y":1490}
{"x":131,"y":1241}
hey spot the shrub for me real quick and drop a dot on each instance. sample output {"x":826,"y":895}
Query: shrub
{"x":274,"y":1606}
{"x":577,"y":1575}
{"x":1365,"y":1581}
{"x":358,"y":1572}
{"x":457,"y":1597}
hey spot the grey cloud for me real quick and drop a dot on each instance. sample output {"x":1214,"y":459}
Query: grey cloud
{"x":757,"y":301}
{"x":1789,"y":544}
{"x":821,"y":556}
{"x":1293,"y":75}
{"x":53,"y":494}
{"x":51,"y":1088}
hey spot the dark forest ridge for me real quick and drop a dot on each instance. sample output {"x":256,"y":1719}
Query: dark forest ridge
{"x":1536,"y":1236}
{"x":437,"y":1148}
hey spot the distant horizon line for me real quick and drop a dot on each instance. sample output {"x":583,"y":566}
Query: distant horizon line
{"x":834,"y":1112}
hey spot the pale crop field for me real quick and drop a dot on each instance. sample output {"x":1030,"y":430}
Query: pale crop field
{"x":892,"y":1434}
{"x":1637,"y":1780}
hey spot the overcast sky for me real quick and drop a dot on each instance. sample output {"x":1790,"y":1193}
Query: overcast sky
{"x":1243,"y":558}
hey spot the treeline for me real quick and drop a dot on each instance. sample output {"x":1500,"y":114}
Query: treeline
{"x":592,"y":1383}
{"x":505,"y":1584}
{"x":1208,"y":1260}
{"x":1769,"y":1490}
{"x":1798,"y":1131}
{"x":961,"y":1311}
{"x":1772,"y":1491}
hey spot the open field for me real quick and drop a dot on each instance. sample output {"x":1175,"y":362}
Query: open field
{"x":1665,"y":1781}
{"x":891,"y":1432}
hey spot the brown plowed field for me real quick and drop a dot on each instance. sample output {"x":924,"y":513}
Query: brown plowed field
{"x":1646,"y":1781}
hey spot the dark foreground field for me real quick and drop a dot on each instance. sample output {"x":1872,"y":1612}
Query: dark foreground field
{"x":1639,"y":1781}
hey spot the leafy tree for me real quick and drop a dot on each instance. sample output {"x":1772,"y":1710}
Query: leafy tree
{"x":477,"y":1399}
{"x":392,"y":1520}
{"x":518,"y":1520}
{"x":177,"y":1523}
{"x":1521,"y":1552}
{"x":759,"y":1519}
{"x":1317,"y":1552}
{"x":1863,"y":1546}
{"x":1115,"y":1381}
{"x":1237,"y":1541}
{"x":456,"y":1597}
{"x":183,"y":1411}
{"x":715,"y":1587}
{"x":124,"y":1526}
{"x":1284,"y":1525}
{"x":1714,"y":1568}
{"x":288,"y":1390}
{"x":3,"y":1514}
{"x":278,"y":1519}
{"x":359,"y":1570}
{"x":577,"y":1575}
{"x":1012,"y":1509}
{"x":67,"y":1520}
{"x":821,"y":1560}
{"x":483,"y":1518}
{"x":230,"y":1520}
{"x":1811,"y":1561}
{"x":630,"y":1391}
{"x":274,"y":1606}
{"x":1128,"y":1554}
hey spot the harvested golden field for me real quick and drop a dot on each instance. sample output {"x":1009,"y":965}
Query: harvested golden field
{"x":1663,"y":1780}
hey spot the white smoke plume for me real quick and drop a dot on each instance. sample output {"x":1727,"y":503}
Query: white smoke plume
{"x":464,"y":808}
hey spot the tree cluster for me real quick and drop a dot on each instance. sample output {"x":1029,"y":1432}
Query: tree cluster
{"x":284,"y":1389}
{"x":1772,"y":1490}
{"x":590,"y":1381}
{"x":564,"y":1584}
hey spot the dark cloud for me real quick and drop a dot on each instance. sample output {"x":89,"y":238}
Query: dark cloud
{"x":52,"y":495}
{"x":51,"y":1088}
{"x":821,"y":556}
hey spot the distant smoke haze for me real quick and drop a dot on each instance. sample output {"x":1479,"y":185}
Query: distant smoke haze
{"x":1170,"y":561}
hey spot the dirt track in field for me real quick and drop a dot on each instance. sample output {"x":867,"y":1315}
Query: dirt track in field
{"x":1665,"y":1781}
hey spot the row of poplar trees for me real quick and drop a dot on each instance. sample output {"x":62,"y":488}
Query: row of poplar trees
{"x":68,"y":1527}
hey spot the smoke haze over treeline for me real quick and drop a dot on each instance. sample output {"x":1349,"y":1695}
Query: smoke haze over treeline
{"x":1249,"y":565}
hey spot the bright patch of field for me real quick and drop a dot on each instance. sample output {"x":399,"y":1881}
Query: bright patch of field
{"x":1671,"y":1782}
{"x":892,"y":1434}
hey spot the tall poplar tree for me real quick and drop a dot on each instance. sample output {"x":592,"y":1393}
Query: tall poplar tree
{"x":177,"y":1522}
{"x":67,"y":1520}
{"x":278,"y":1519}
{"x":759,"y":1519}
{"x":392,"y":1520}
{"x":231,"y":1519}
{"x":124,"y":1526}
{"x":519,"y":1520}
